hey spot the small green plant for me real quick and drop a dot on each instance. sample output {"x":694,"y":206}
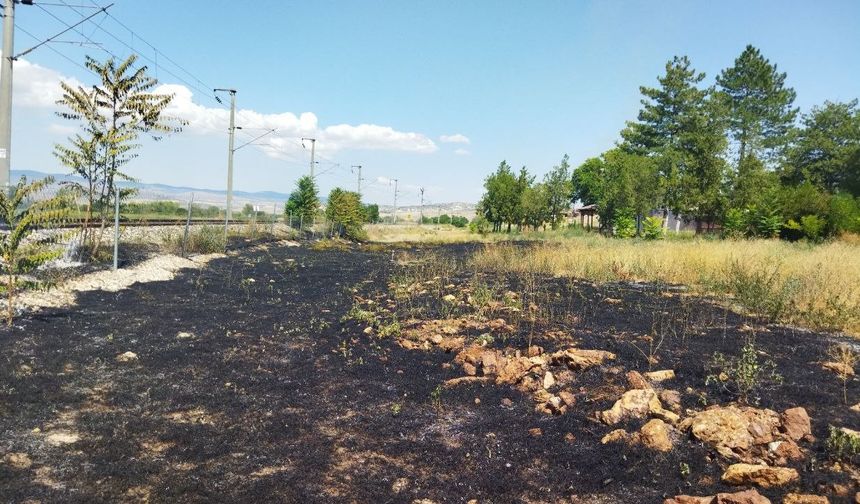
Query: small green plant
{"x":843,"y":446}
{"x":436,"y":397}
{"x":743,"y":376}
{"x":395,"y":409}
{"x":484,"y":339}
{"x":684,"y":470}
{"x":359,"y":314}
{"x":652,"y":228}
{"x":391,"y":329}
{"x":21,"y":251}
{"x":625,"y":226}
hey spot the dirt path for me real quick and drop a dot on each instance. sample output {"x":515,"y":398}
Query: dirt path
{"x":243,"y":384}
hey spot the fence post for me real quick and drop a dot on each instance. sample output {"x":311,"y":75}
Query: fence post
{"x":187,"y":225}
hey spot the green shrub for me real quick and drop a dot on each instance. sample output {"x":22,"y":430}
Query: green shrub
{"x":760,"y":288}
{"x":842,"y":446}
{"x":479,"y":225}
{"x":742,"y":376}
{"x":652,"y":228}
{"x":735,"y":224}
{"x":345,"y":212}
{"x":625,"y":226}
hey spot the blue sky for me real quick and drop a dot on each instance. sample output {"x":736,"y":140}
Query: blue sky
{"x":522,"y":81}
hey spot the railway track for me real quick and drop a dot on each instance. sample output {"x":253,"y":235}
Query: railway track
{"x":160,"y":222}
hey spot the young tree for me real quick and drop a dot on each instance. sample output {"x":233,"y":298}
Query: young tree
{"x":20,"y":251}
{"x":304,"y":200}
{"x":344,"y":210}
{"x":371,"y":213}
{"x":663,"y":133}
{"x":501,"y":201}
{"x":826,"y":148}
{"x":113,"y":114}
{"x":759,"y":106}
{"x":587,"y":182}
{"x":557,"y":185}
{"x":627,"y":187}
{"x":536,"y":206}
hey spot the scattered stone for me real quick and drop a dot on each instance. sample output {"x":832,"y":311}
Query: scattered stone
{"x":548,"y":380}
{"x":568,"y":397}
{"x":637,"y":404}
{"x":672,"y":399}
{"x":579,"y":359}
{"x":477,"y":400}
{"x":188,"y":335}
{"x":636,"y":381}
{"x":535,"y":432}
{"x":794,"y":498}
{"x":449,"y":298}
{"x":786,"y":451}
{"x":746,"y":497}
{"x":18,"y":460}
{"x":399,"y":485}
{"x":453,"y":382}
{"x":60,"y":438}
{"x":569,"y":438}
{"x":655,"y":435}
{"x":534,"y":351}
{"x":618,"y":435}
{"x":856,"y":408}
{"x":126,"y":357}
{"x":733,"y":431}
{"x":507,"y":403}
{"x":796,"y":423}
{"x":436,"y":339}
{"x":761,"y":475}
{"x":660,"y":376}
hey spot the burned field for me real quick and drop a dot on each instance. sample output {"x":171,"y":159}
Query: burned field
{"x":289,"y":374}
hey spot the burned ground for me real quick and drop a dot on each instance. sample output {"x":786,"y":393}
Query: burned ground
{"x":251,"y":382}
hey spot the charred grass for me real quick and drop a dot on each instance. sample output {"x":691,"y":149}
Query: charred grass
{"x":257,"y":379}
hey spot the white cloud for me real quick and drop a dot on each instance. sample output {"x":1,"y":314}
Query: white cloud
{"x":455,"y":138}
{"x":37,"y":86}
{"x":462,"y":152}
{"x":290,"y":127}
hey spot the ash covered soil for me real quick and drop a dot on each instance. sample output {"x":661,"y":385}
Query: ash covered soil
{"x":254,"y":379}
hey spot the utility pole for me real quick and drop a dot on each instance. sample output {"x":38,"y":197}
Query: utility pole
{"x":395,"y":202}
{"x":421,"y":211}
{"x":313,"y":148}
{"x":229,"y":213}
{"x":6,"y":92}
{"x":359,"y":179}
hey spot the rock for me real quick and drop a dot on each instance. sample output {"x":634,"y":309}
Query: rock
{"x":856,"y":408}
{"x":761,"y":475}
{"x":534,"y":351}
{"x":452,"y":344}
{"x":513,"y":369}
{"x":18,"y":460}
{"x":578,"y":359}
{"x":60,"y":438}
{"x":747,"y":497}
{"x":568,"y":397}
{"x":655,"y":435}
{"x":126,"y":357}
{"x":184,"y":335}
{"x":636,"y":381}
{"x":548,"y":380}
{"x":633,"y":404}
{"x":569,"y":438}
{"x":449,"y":298}
{"x":660,"y":376}
{"x":786,"y":451}
{"x":671,"y":398}
{"x":535,"y":432}
{"x":794,"y":498}
{"x":732,"y":431}
{"x":399,"y":485}
{"x":368,"y":330}
{"x":507,"y":403}
{"x":796,"y":423}
{"x":437,"y":339}
{"x":470,"y":369}
{"x":839,"y":368}
{"x":618,"y":435}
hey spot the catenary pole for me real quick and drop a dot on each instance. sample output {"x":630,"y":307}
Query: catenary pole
{"x":395,"y":201}
{"x":228,"y":214}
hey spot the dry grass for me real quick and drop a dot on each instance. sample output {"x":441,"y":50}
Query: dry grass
{"x":426,"y":233}
{"x":814,"y":286}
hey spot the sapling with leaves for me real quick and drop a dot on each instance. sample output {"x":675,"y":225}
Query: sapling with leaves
{"x":22,"y":250}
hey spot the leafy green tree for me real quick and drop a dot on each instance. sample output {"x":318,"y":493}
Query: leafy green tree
{"x":677,"y":128}
{"x":535,"y":206}
{"x":112,"y":114}
{"x":20,"y":251}
{"x":444,"y":219}
{"x":759,"y":105}
{"x":304,"y":201}
{"x":371,"y":213}
{"x":826,"y":147}
{"x":628,"y":180}
{"x":345,"y":211}
{"x":587,"y":182}
{"x":557,"y":185}
{"x":503,"y":192}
